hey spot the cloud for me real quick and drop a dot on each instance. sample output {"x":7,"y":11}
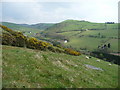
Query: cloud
{"x":19,"y":0}
{"x":35,"y":11}
{"x":21,"y":12}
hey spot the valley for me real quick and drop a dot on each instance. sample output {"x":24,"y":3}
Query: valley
{"x":83,"y":35}
{"x":55,"y":55}
{"x":80,"y":34}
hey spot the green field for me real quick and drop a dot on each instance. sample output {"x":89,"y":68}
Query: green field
{"x":92,"y":43}
{"x":71,"y":25}
{"x":84,"y":34}
{"x":81,"y":34}
{"x":27,"y":68}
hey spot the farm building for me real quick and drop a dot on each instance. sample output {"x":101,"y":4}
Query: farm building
{"x":65,"y":41}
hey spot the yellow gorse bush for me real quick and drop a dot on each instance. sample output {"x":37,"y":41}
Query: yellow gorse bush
{"x":18,"y":39}
{"x":72,"y":52}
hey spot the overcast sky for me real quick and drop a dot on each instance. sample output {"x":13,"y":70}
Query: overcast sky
{"x":42,"y":11}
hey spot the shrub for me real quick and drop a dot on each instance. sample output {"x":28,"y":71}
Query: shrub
{"x":5,"y":28}
{"x":43,"y":45}
{"x":51,"y":48}
{"x":12,"y":37}
{"x":8,"y":39}
{"x":32,"y":43}
{"x":18,"y":39}
{"x":72,"y":52}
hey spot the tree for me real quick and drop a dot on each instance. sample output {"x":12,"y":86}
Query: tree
{"x":98,"y":34}
{"x":109,"y":45}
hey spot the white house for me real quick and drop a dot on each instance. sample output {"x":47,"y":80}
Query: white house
{"x":65,"y":41}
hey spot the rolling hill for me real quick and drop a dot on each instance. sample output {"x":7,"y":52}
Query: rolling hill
{"x":29,"y":30}
{"x":83,"y":34}
{"x":41,"y":26}
{"x":76,"y":25}
{"x":80,"y":34}
{"x":42,"y":67}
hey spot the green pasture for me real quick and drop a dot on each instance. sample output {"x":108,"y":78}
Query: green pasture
{"x":27,"y":68}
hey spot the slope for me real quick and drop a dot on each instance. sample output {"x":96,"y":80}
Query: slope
{"x":41,"y":26}
{"x":82,"y":34}
{"x":28,"y":68}
{"x":76,"y":25}
{"x":29,"y":30}
{"x":18,"y":39}
{"x":43,"y":69}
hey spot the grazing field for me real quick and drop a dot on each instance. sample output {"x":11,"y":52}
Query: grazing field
{"x":92,"y":43}
{"x":84,"y":42}
{"x":28,"y":68}
{"x":81,"y":34}
{"x":74,"y":25}
{"x":84,"y":34}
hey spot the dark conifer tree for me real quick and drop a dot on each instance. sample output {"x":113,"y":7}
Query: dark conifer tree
{"x":109,"y":45}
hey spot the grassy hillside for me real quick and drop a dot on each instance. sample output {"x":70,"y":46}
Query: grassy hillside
{"x":28,"y":68}
{"x":26,"y":30}
{"x":41,"y":26}
{"x":81,"y":34}
{"x":84,"y":34}
{"x":73,"y":25}
{"x":91,"y":39}
{"x":29,"y":30}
